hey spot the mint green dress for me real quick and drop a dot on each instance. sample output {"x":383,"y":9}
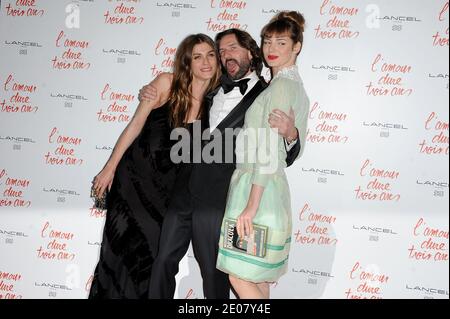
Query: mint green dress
{"x":261,"y":159}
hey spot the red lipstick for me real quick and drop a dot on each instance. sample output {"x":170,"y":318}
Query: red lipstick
{"x":272,"y":57}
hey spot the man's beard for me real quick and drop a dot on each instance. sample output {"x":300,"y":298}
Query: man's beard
{"x":244,"y":67}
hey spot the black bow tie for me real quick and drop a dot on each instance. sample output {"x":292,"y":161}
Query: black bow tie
{"x":229,"y":85}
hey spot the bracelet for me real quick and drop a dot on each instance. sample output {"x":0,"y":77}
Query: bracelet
{"x":291,"y":139}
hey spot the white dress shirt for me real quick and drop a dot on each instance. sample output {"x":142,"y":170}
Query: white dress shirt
{"x":223,"y":104}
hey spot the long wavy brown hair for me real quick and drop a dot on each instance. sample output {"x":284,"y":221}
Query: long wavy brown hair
{"x":181,"y":91}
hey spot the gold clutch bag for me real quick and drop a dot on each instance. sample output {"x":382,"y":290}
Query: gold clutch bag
{"x":99,"y":202}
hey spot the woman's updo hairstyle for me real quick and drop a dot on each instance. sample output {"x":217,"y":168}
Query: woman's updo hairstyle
{"x":286,"y":22}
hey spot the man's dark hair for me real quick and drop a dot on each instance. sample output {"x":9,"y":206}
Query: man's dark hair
{"x":246,"y":41}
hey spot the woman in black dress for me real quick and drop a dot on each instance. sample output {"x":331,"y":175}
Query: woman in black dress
{"x":140,"y":174}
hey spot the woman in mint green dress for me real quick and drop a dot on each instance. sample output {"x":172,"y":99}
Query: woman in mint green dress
{"x":259,"y":191}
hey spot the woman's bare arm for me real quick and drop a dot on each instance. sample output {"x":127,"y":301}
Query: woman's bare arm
{"x":105,"y":178}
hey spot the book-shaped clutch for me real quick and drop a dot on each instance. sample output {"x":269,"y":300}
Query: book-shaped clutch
{"x":254,"y":245}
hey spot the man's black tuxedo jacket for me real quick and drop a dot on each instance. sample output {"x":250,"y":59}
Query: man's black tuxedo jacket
{"x":209,"y":182}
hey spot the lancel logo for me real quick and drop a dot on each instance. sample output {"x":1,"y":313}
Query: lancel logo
{"x":271,"y":11}
{"x":385,"y":125}
{"x":121,"y":52}
{"x":16,"y":139}
{"x":312,"y":272}
{"x":438,"y":76}
{"x":12,"y":233}
{"x":399,"y":19}
{"x":103,"y":148}
{"x":52,"y":286}
{"x":374,"y":229}
{"x":432,"y":183}
{"x":175,"y":5}
{"x":68,"y":96}
{"x":60,"y":191}
{"x":24,"y":44}
{"x":427,"y":290}
{"x":322,"y":171}
{"x":333,"y":68}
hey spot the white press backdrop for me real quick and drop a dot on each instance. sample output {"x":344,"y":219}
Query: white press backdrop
{"x":369,"y":196}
